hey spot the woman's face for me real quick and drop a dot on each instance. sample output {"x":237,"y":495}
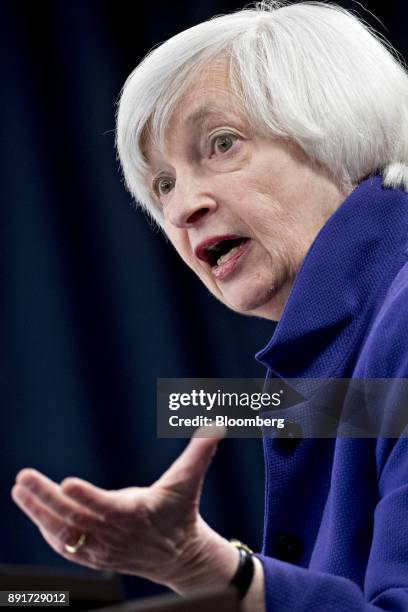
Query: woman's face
{"x":240,"y":208}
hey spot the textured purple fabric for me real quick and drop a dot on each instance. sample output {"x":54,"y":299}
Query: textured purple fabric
{"x":344,"y":501}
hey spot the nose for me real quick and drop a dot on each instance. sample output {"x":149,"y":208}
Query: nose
{"x":191,"y":201}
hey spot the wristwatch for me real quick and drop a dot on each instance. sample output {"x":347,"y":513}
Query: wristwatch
{"x":242,"y":578}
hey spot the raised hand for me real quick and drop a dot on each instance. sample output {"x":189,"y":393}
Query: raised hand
{"x":155,"y":532}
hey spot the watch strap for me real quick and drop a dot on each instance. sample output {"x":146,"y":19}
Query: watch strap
{"x":244,"y":574}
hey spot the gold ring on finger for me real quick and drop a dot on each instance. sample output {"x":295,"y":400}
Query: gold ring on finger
{"x":74,"y":549}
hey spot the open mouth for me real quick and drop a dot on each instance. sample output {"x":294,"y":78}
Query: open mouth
{"x":223,"y":254}
{"x":218,"y":252}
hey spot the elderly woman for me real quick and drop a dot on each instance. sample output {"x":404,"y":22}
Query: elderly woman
{"x":271,"y":145}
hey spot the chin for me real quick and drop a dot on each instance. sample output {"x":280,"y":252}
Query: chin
{"x":260,"y":303}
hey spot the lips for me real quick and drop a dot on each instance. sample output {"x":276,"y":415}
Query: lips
{"x":222,"y":253}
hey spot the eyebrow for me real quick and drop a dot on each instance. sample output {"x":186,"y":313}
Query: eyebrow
{"x":200,"y":116}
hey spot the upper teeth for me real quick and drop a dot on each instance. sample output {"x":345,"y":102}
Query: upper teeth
{"x":227,"y":256}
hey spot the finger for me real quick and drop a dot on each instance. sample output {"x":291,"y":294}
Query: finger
{"x":41,"y":516}
{"x":99,"y":501}
{"x":53,"y":530}
{"x":51,"y":496}
{"x":94,"y":553}
{"x":82,"y":557}
{"x":186,"y":474}
{"x":99,"y":548}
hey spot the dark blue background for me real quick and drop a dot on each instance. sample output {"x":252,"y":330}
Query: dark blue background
{"x":95,"y":305}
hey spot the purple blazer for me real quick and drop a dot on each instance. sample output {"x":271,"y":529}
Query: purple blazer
{"x":336,"y":510}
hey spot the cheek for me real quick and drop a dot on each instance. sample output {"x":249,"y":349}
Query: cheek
{"x":183,"y":249}
{"x":278,"y":230}
{"x":181,"y":243}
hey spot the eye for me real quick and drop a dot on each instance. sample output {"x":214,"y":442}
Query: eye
{"x":163,"y":185}
{"x":222,"y":143}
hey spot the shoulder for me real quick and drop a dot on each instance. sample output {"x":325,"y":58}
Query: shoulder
{"x":384,"y":352}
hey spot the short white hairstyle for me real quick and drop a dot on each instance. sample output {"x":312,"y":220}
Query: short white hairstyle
{"x":309,"y":72}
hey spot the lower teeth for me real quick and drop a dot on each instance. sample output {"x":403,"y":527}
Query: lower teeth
{"x":227,"y":256}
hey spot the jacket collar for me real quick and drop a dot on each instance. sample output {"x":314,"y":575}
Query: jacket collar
{"x":342,"y":281}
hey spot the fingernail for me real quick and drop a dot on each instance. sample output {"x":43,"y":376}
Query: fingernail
{"x":210,"y":430}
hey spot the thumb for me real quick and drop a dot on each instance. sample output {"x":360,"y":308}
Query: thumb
{"x":186,"y":475}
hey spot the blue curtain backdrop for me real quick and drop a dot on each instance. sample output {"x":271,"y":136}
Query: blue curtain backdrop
{"x":96,"y":305}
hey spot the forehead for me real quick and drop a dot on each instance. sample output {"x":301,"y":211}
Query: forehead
{"x":209,"y":97}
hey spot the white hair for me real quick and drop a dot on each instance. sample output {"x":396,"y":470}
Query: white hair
{"x":309,"y":72}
